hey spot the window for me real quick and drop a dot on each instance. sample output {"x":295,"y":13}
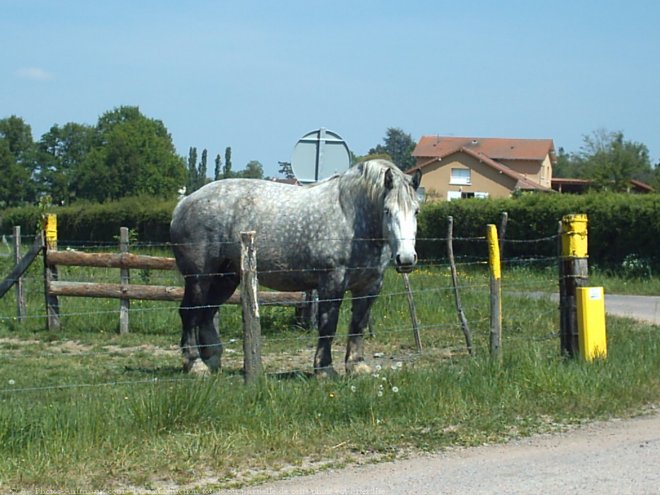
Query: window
{"x":453,"y":195}
{"x":460,"y":176}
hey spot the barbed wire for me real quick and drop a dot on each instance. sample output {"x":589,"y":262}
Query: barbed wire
{"x":446,"y":332}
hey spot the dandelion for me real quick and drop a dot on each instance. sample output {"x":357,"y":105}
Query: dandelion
{"x":12,"y":382}
{"x":395,"y":389}
{"x":353,"y":388}
{"x":332,"y":395}
{"x":380,"y":393}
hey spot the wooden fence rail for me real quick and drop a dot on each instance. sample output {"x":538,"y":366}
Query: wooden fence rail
{"x":125,"y":291}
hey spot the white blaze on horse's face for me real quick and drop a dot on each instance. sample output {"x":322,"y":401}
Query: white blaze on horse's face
{"x":400,"y":219}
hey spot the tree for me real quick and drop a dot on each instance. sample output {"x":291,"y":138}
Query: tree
{"x":218,"y":168}
{"x":131,"y":155}
{"x":191,"y":177}
{"x":226,"y":170}
{"x":286,"y":170}
{"x":17,"y":152}
{"x":398,"y":146}
{"x":253,"y":170}
{"x":201,"y":172}
{"x":60,"y":151}
{"x":611,"y":161}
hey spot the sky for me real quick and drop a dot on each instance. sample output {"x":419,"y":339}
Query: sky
{"x":258,"y":75}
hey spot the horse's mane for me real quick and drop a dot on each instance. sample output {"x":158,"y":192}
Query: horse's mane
{"x":371,"y":176}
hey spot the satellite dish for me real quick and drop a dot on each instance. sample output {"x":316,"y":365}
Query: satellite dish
{"x":319,"y":154}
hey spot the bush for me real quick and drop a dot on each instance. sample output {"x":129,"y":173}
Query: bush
{"x":82,"y":222}
{"x":620,"y":225}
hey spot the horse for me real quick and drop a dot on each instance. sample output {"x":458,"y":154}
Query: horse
{"x":332,"y":236}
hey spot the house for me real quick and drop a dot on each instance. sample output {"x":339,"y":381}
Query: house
{"x":465,"y":167}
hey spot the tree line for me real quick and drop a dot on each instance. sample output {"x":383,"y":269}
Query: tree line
{"x":129,"y":154}
{"x":124,"y":154}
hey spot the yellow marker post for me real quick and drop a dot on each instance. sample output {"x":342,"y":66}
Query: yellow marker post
{"x":495,"y":291}
{"x":50,"y":228}
{"x":574,"y":236}
{"x":591,"y":322}
{"x":574,"y":273}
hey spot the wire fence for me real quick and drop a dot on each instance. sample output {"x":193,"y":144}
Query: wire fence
{"x":286,"y":346}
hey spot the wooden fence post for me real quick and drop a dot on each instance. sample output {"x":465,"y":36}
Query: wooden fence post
{"x":124,"y":279}
{"x":20,"y":293}
{"x":495,"y":292}
{"x":251,"y":320}
{"x":50,"y":272}
{"x":413,"y":311}
{"x":454,"y":281}
{"x":573,"y":273}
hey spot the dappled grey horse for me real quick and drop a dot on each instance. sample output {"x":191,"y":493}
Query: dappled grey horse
{"x":336,"y":235}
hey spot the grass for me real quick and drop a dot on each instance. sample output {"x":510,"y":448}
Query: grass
{"x":87,"y":409}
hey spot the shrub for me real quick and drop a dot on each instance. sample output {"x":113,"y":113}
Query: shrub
{"x":620,"y":225}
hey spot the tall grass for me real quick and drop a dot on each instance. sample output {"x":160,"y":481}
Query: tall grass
{"x":86,"y":409}
{"x":179,"y":428}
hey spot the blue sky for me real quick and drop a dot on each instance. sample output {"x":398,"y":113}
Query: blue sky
{"x":258,"y":75}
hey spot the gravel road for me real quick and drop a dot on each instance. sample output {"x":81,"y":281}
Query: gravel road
{"x":616,"y":457}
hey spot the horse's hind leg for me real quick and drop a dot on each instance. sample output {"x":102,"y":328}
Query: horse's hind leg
{"x":191,"y":313}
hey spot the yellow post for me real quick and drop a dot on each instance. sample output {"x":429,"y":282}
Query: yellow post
{"x":591,"y":322}
{"x":574,"y":236}
{"x":50,"y":271}
{"x":50,"y":227}
{"x":574,"y":273}
{"x":495,"y":291}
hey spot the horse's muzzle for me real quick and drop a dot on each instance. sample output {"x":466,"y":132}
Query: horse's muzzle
{"x":404,"y":264}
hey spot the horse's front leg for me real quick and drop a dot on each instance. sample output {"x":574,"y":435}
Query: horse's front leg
{"x":328,"y":317}
{"x":361,"y":311}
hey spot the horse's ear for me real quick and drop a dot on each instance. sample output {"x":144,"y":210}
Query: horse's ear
{"x":416,"y":179}
{"x":389,"y":179}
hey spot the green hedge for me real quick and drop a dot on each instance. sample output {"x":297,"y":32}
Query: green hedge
{"x":620,"y":226}
{"x":83,"y":222}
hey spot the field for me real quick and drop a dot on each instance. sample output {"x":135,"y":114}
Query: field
{"x":85,"y":408}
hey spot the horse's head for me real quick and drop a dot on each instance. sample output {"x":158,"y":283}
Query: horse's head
{"x":400,"y":208}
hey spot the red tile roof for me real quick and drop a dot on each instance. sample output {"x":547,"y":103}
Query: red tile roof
{"x":495,"y":148}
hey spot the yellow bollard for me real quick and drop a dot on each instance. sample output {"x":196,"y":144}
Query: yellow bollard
{"x":591,"y":323}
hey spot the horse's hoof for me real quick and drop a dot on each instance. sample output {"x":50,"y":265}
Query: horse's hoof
{"x":326,"y":372}
{"x":197,"y":368}
{"x":358,"y":368}
{"x":213,"y":364}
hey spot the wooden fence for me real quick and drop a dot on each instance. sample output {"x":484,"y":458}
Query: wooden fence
{"x":124,"y":290}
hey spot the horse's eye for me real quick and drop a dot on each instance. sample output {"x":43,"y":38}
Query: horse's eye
{"x":417,"y":212}
{"x":386,"y":211}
